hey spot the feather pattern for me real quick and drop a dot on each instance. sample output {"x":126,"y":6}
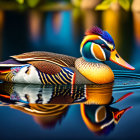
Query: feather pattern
{"x":96,"y":72}
{"x":94,"y":30}
{"x":108,"y":37}
{"x":46,"y":67}
{"x":59,"y":59}
{"x":98,"y":31}
{"x":65,"y":76}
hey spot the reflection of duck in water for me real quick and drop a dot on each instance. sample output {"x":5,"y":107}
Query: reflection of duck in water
{"x":46,"y":115}
{"x":49,"y":68}
{"x":38,"y":94}
{"x":58,"y":94}
{"x":30,"y":98}
{"x":101,"y":119}
{"x":49,"y":104}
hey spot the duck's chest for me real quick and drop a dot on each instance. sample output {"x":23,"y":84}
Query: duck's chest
{"x":96,"y":72}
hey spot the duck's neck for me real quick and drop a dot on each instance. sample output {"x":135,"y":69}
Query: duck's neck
{"x":92,"y":60}
{"x":94,"y":71}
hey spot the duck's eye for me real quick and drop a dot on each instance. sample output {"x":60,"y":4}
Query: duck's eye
{"x":117,"y":55}
{"x":103,"y":45}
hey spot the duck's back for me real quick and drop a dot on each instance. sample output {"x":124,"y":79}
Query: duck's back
{"x":59,"y":59}
{"x":38,"y":68}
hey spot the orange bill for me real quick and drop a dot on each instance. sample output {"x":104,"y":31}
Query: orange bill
{"x":115,"y":57}
{"x":118,"y":114}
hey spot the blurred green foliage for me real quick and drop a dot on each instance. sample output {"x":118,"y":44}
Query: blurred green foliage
{"x":105,"y":4}
{"x":76,"y":3}
{"x":38,"y":4}
{"x":32,"y":3}
{"x":56,"y":4}
{"x":20,"y":1}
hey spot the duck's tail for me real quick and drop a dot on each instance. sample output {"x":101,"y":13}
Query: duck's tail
{"x":5,"y":74}
{"x":5,"y":69}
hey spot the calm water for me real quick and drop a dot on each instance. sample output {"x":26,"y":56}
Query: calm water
{"x":69,"y":114}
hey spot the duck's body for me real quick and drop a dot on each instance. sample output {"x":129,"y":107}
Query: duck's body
{"x":51,"y":68}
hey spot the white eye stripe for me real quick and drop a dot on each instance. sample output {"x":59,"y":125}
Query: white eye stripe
{"x":92,"y":46}
{"x":97,"y":113}
{"x":103,"y":52}
{"x":92,"y":51}
{"x":108,"y":44}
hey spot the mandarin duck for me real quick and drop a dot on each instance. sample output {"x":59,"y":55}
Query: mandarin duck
{"x":51,"y":68}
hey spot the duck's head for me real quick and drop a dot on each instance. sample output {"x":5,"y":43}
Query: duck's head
{"x":98,"y":45}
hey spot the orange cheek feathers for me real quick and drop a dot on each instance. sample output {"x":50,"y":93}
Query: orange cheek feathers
{"x":98,"y":52}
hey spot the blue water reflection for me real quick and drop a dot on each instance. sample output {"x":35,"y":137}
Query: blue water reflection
{"x":90,"y":111}
{"x":59,"y":33}
{"x":56,"y":32}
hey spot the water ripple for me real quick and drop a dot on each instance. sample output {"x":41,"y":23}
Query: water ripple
{"x":125,"y":80}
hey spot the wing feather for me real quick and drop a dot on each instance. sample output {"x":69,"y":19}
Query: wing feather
{"x":59,"y":59}
{"x":46,"y":67}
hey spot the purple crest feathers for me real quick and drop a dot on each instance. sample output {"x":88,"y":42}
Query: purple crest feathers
{"x":98,"y":31}
{"x":94,"y":30}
